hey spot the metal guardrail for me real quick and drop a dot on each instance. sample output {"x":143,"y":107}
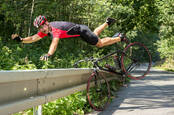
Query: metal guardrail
{"x":24,"y":89}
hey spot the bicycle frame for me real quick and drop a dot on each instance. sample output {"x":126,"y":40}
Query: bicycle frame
{"x":96,"y":65}
{"x":104,"y":57}
{"x":119,"y":52}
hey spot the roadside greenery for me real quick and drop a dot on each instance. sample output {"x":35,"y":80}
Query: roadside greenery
{"x":166,"y":29}
{"x":147,"y":21}
{"x":166,"y":65}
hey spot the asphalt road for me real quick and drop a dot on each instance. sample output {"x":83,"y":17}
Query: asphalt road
{"x":154,"y":95}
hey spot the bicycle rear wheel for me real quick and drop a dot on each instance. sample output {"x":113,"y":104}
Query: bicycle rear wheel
{"x":136,"y":61}
{"x":98,"y":91}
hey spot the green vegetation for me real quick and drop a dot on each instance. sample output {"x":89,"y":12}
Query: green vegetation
{"x":167,"y":65}
{"x":148,"y":21}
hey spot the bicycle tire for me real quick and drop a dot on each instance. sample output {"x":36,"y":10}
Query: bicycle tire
{"x":136,"y":61}
{"x":98,"y":91}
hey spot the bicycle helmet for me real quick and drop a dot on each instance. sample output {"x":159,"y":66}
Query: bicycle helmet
{"x":40,"y":20}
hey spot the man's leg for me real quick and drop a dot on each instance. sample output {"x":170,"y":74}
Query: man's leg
{"x":92,"y":37}
{"x":107,"y":41}
{"x":99,"y":29}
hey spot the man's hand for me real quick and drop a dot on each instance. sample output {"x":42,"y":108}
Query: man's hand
{"x":16,"y":37}
{"x":45,"y":57}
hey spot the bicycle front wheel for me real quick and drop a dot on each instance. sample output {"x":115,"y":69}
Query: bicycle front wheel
{"x":98,"y":91}
{"x":136,"y":61}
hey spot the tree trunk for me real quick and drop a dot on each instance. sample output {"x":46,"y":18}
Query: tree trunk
{"x":29,"y":29}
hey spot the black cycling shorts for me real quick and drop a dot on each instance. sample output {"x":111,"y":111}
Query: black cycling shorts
{"x":85,"y":33}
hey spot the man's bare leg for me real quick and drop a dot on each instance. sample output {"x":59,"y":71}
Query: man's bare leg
{"x":99,"y":29}
{"x":107,"y":41}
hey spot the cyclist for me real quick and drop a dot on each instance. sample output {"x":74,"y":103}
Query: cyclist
{"x":63,"y":29}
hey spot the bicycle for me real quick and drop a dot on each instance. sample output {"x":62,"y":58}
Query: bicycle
{"x":125,"y":62}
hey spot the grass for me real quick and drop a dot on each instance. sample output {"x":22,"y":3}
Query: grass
{"x":165,"y":68}
{"x":165,"y":65}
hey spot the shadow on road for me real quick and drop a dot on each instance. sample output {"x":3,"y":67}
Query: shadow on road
{"x":154,"y":92}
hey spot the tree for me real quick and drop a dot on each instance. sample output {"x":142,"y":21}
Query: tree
{"x":166,"y":21}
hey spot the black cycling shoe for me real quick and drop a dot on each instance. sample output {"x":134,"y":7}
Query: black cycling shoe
{"x":116,"y":35}
{"x":110,"y":21}
{"x":122,"y":36}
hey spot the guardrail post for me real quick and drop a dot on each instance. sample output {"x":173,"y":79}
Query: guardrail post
{"x":37,"y":110}
{"x":34,"y":110}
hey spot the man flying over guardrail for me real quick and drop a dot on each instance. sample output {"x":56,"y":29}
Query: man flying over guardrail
{"x":62,"y":29}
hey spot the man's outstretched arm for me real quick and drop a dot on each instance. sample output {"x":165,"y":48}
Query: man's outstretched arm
{"x":28,"y":39}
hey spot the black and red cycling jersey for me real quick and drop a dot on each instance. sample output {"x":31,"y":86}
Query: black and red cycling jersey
{"x":59,"y":29}
{"x":62,"y":29}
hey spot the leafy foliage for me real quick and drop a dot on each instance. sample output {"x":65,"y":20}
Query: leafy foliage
{"x":166,"y":19}
{"x":73,"y":104}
